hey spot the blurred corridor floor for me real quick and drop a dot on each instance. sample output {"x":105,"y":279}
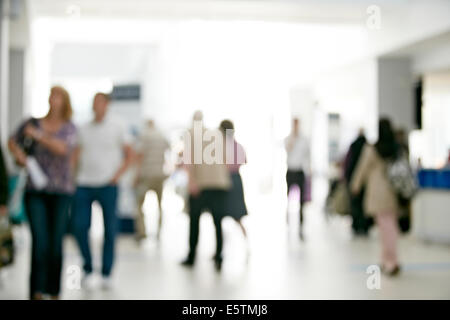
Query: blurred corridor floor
{"x":328,"y":265}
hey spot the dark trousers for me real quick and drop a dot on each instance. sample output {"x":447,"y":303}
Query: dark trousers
{"x":213,"y":201}
{"x":81,"y":222}
{"x":48,"y":218}
{"x":297,"y":178}
{"x":360,"y":223}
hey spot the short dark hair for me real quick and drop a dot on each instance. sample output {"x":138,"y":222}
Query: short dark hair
{"x":226,"y":125}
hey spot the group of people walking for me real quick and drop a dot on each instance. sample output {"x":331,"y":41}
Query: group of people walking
{"x":78,"y":166}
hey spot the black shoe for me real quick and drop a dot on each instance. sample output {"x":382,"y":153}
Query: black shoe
{"x":302,"y":237}
{"x":360,"y":234}
{"x":218,"y":264}
{"x":394,"y":272}
{"x":188,"y":262}
{"x":391,"y":273}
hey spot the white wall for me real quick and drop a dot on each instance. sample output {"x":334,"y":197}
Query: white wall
{"x":4,"y":70}
{"x":352,"y":93}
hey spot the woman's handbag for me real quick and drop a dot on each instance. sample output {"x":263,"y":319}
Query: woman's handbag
{"x":402,"y":179}
{"x":340,"y":200}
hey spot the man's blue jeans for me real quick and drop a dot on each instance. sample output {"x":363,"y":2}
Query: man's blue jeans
{"x":81,"y":221}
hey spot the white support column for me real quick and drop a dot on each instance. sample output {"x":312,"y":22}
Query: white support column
{"x":395,"y":91}
{"x":4,"y":69}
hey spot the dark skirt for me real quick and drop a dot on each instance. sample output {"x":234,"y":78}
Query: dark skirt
{"x":235,"y":203}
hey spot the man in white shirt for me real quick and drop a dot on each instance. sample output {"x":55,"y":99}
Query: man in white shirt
{"x":102,"y":157}
{"x":298,"y":162}
{"x":151,"y":150}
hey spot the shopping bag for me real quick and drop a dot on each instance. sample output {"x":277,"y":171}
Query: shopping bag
{"x":16,"y":206}
{"x":340,"y":201}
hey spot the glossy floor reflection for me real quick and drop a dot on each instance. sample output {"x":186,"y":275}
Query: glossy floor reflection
{"x":328,"y":265}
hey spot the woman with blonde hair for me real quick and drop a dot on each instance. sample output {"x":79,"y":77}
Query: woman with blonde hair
{"x":48,"y":144}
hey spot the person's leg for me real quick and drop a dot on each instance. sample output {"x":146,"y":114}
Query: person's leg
{"x":141,"y":191}
{"x":36,"y":210}
{"x":290,"y":181}
{"x":301,"y":181}
{"x":387,"y":224}
{"x":107,"y":197}
{"x":195,"y":209}
{"x":358,"y":218}
{"x":158,"y":188}
{"x":215,"y":201}
{"x":244,"y":231}
{"x":58,"y":217}
{"x":81,"y":220}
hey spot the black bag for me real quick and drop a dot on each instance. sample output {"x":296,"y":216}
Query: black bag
{"x":27,"y":144}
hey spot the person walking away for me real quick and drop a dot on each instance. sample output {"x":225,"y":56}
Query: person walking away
{"x":298,"y":163}
{"x":208,"y":187}
{"x":50,"y":142}
{"x":235,"y":158}
{"x":404,"y":220}
{"x":360,"y":223}
{"x":103,"y":155}
{"x":151,"y":149}
{"x":380,"y":198}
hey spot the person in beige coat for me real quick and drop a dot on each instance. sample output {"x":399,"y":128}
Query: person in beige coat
{"x":209,"y":182}
{"x":151,"y":149}
{"x":380,"y":198}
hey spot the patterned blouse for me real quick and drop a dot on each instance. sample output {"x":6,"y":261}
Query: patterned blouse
{"x":57,"y":168}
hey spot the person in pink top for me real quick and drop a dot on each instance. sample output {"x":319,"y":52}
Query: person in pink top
{"x":235,"y":158}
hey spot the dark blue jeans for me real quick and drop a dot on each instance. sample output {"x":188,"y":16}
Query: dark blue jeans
{"x":48,"y":218}
{"x":81,"y":221}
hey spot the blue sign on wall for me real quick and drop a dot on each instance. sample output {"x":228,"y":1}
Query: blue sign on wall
{"x":126,"y":92}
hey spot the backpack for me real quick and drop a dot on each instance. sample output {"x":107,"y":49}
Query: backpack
{"x":402,"y":178}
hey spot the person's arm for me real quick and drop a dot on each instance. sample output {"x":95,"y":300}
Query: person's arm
{"x":3,"y":186}
{"x":289,"y":143}
{"x":55,"y":145}
{"x":19,"y":155}
{"x":138,"y":159}
{"x":188,"y":156}
{"x":127,"y":161}
{"x":362,"y":169}
{"x":193,"y":186}
{"x":75,"y":159}
{"x":308,"y":157}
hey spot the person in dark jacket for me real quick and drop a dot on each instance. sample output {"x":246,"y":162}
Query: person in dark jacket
{"x":3,"y":186}
{"x":360,"y":223}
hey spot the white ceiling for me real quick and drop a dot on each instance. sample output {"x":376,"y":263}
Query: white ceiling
{"x":328,"y":11}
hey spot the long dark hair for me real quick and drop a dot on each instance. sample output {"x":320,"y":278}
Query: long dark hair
{"x":386,"y":145}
